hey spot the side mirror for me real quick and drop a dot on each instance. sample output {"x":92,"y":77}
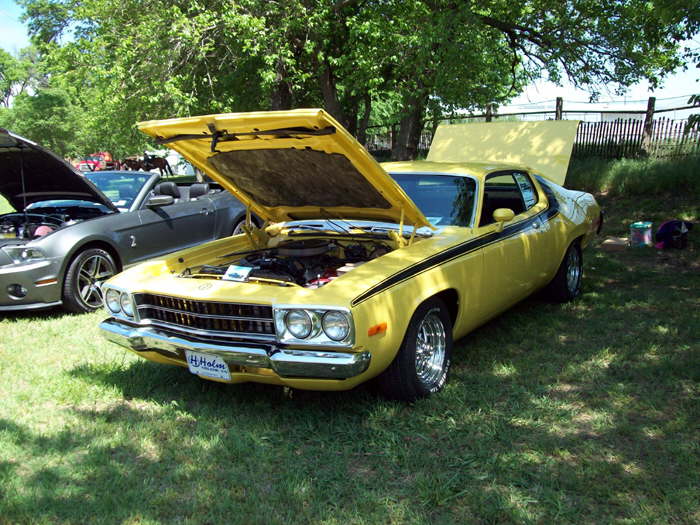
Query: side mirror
{"x":160,"y":200}
{"x":501,"y":215}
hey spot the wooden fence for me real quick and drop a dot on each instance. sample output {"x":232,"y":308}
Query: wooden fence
{"x":629,"y":139}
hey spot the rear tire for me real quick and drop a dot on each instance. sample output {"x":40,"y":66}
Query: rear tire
{"x":82,"y":286}
{"x":566,"y":285}
{"x":422,"y":365}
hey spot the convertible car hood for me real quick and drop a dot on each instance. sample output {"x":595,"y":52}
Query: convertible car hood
{"x":288,"y":165}
{"x":543,"y":146}
{"x":46,"y":176}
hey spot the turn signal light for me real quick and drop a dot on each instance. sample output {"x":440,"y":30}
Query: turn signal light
{"x":376,"y":329}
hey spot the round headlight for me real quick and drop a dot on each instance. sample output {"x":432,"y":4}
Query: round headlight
{"x":298,"y":323}
{"x":336,"y":325}
{"x":112,"y":300}
{"x":127,"y":306}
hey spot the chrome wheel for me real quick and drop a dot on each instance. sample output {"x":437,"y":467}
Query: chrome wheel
{"x":573,"y":271}
{"x":92,"y":272}
{"x":238,"y":229}
{"x":430,"y":348}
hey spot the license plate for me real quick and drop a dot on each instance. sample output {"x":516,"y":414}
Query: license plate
{"x":207,"y":365}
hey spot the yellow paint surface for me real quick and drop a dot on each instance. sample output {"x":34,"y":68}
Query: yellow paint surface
{"x":545,"y":147}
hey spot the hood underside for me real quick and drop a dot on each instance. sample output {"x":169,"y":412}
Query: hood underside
{"x":289,"y":165}
{"x":30,"y":173}
{"x":544,"y":147}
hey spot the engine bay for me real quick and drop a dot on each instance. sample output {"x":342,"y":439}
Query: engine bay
{"x":310,"y":263}
{"x":29,"y":226}
{"x":42,"y":220}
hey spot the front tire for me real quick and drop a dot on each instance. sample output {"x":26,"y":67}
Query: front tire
{"x":566,"y":285}
{"x":422,"y":364}
{"x":82,"y":287}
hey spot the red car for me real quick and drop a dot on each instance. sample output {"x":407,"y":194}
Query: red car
{"x":99,"y":161}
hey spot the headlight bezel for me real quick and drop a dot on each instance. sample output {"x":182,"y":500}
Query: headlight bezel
{"x":23,"y":254}
{"x":327,"y":330}
{"x":122,"y":297}
{"x":304,"y":317}
{"x":116,"y":295}
{"x":127,"y":298}
{"x":317,"y":335}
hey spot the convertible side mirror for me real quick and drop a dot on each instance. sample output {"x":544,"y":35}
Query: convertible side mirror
{"x":501,"y":215}
{"x":160,"y":200}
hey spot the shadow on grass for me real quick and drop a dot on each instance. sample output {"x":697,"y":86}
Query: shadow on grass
{"x":585,"y":412}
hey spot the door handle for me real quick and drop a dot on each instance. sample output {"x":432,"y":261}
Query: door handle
{"x":205,"y":211}
{"x":536,"y":225}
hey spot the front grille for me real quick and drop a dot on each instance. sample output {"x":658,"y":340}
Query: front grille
{"x":206,"y":315}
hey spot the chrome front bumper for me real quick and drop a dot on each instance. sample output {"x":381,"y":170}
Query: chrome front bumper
{"x":315,"y":364}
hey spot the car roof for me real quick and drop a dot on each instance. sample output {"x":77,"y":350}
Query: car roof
{"x":475,"y":169}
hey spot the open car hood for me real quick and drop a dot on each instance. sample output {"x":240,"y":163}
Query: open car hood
{"x":289,"y":165}
{"x":46,"y":176}
{"x":544,"y":146}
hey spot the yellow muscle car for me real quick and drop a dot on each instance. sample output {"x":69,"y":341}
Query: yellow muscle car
{"x":361,"y":271}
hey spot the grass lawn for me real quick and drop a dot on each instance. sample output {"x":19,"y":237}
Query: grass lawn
{"x":586,"y":413}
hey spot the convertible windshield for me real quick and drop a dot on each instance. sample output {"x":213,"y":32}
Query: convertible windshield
{"x":120,"y":188}
{"x":445,"y":200}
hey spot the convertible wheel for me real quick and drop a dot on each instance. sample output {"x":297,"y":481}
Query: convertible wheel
{"x":566,"y":284}
{"x":423,"y":362}
{"x":82,"y":287}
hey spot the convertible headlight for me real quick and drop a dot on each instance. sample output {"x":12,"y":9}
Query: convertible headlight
{"x":298,"y":323}
{"x":126,"y":304}
{"x":24,"y":254}
{"x":314,"y":325}
{"x":336,"y":325}
{"x":113,"y":300}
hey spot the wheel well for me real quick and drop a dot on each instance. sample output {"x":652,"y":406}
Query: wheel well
{"x":451,"y":299}
{"x":102,"y":246}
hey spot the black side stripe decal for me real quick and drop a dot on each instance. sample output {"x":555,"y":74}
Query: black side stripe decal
{"x":455,"y":252}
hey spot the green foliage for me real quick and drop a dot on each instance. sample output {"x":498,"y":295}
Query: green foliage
{"x":49,"y":118}
{"x":394,"y":61}
{"x":636,"y":177}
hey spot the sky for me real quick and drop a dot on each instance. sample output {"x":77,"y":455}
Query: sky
{"x":675,"y":91}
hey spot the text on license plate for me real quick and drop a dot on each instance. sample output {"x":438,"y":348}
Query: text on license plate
{"x":207,"y":365}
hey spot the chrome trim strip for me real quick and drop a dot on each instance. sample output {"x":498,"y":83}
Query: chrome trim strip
{"x":140,"y":294}
{"x":208,"y":316}
{"x":210,"y":333}
{"x":286,"y":363}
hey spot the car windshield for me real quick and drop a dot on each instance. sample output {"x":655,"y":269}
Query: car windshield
{"x":120,"y":188}
{"x":445,"y":200}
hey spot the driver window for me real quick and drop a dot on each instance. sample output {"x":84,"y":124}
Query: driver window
{"x":512,"y":190}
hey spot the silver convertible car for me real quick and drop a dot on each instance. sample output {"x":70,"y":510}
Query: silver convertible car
{"x":70,"y":231}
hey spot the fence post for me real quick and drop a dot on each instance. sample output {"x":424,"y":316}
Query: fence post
{"x":559,"y":108}
{"x":648,"y":126}
{"x":489,"y":112}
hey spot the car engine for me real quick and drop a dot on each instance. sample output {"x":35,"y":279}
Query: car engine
{"x":29,"y":226}
{"x":309,"y":263}
{"x":40,"y":220}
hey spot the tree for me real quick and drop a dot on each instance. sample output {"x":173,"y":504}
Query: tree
{"x":49,"y":118}
{"x":427,"y":57}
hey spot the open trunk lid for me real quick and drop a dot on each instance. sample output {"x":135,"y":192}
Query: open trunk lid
{"x":545,"y":146}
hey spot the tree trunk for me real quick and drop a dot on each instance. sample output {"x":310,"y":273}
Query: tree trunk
{"x":410,"y":127}
{"x":364,"y":120}
{"x":330,"y":93}
{"x":281,"y":97}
